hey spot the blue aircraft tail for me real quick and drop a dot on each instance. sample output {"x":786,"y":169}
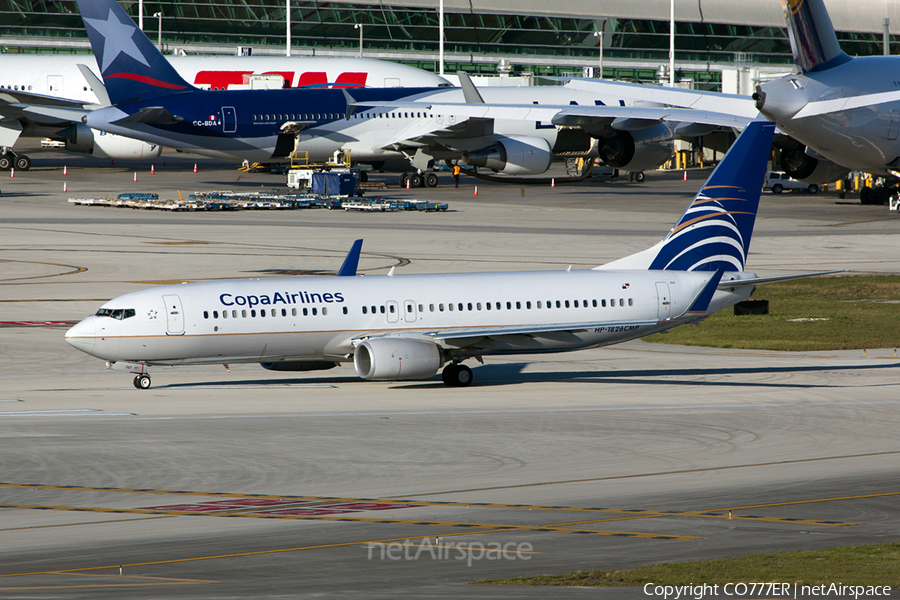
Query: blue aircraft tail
{"x":714,"y":232}
{"x":813,"y":41}
{"x":131,"y":66}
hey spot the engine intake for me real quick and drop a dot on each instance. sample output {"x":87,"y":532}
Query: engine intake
{"x":522,"y":155}
{"x":396,"y":359}
{"x":637,"y":150}
{"x":809,"y":169}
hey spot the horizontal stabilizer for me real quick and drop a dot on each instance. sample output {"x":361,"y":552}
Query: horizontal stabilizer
{"x":835,"y":105}
{"x":731,"y":283}
{"x":701,"y":302}
{"x":151,"y":115}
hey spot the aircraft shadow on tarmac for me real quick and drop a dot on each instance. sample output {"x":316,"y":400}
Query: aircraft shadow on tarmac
{"x":515,"y":374}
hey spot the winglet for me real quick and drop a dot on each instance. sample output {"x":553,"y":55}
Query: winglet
{"x":470,"y":92}
{"x":348,"y":268}
{"x":701,"y":302}
{"x":96,"y":85}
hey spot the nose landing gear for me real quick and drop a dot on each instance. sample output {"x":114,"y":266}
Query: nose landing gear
{"x":142,"y":382}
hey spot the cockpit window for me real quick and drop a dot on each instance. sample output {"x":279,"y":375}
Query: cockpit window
{"x":116,"y":313}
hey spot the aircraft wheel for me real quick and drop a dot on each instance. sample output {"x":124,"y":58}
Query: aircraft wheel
{"x":639,"y":176}
{"x":431,"y":180}
{"x":866,"y":195}
{"x":449,"y":374}
{"x":457,"y":375}
{"x":463,"y":376}
{"x":142,"y":382}
{"x":812,"y":189}
{"x":415,"y":180}
{"x":23,"y":163}
{"x":404,"y":178}
{"x":6,"y":162}
{"x":777,"y":188}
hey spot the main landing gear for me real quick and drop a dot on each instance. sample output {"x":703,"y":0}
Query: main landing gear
{"x":456,"y":375}
{"x":142,"y":382}
{"x":419,"y":180}
{"x":11,"y":160}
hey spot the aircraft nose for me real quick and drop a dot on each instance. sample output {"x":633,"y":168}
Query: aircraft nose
{"x":82,"y":335}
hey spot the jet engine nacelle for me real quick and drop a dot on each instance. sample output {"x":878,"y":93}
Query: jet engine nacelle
{"x":637,"y":150}
{"x":809,"y":169}
{"x":81,"y":138}
{"x":299,"y":365}
{"x":522,"y":155}
{"x":396,"y":358}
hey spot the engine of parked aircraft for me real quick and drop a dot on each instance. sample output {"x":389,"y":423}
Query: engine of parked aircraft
{"x":81,"y":138}
{"x":520,"y":155}
{"x":396,"y":358}
{"x":637,"y":150}
{"x":299,"y":365}
{"x":809,"y":169}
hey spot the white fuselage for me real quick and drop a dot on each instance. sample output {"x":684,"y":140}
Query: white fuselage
{"x":323,"y":318}
{"x":58,"y":75}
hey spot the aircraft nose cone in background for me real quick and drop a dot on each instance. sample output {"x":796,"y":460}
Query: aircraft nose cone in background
{"x":82,"y":335}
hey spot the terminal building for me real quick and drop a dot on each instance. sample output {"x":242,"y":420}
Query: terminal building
{"x":627,"y":40}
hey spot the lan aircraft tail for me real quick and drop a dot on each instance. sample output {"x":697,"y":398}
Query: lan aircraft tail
{"x":131,"y":66}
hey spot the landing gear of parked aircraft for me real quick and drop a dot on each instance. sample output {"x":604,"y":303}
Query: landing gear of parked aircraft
{"x":456,"y":375}
{"x":142,"y":382}
{"x":419,"y":180}
{"x":10,"y":160}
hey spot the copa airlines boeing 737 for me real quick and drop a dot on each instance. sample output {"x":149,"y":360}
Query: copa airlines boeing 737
{"x":408,"y":326}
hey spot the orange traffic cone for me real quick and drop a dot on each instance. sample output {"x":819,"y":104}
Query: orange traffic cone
{"x":152,"y":169}
{"x":553,"y":182}
{"x":195,"y":167}
{"x":476,"y":190}
{"x":407,"y":183}
{"x":12,"y":173}
{"x":685,"y":176}
{"x":65,"y":186}
{"x":65,"y":170}
{"x":135,"y":176}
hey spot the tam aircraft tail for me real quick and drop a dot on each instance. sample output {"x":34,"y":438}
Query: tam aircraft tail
{"x":714,"y":232}
{"x":813,"y":41}
{"x":131,"y":66}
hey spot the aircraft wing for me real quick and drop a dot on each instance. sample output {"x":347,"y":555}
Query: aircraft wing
{"x":504,"y":338}
{"x":621,"y":117}
{"x":16,"y":104}
{"x":733,"y":104}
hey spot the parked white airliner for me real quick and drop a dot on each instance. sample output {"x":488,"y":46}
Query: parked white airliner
{"x":408,"y":326}
{"x":29,"y":81}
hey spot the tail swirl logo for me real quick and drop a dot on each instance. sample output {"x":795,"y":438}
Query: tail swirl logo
{"x":714,"y":233}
